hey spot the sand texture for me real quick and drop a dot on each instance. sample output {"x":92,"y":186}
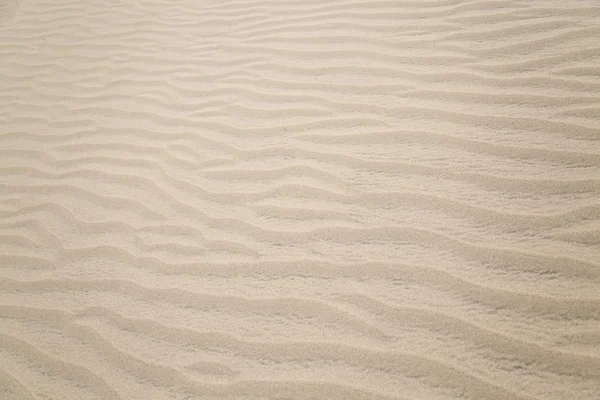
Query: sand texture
{"x":286,"y":199}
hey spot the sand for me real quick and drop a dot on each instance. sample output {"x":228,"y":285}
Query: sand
{"x":287,"y":199}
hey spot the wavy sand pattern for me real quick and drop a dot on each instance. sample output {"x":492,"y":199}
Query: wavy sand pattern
{"x":277,"y":199}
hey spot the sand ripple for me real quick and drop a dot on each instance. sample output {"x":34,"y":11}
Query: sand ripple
{"x":300,"y":199}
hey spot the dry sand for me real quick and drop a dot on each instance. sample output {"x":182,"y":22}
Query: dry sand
{"x":285,"y":199}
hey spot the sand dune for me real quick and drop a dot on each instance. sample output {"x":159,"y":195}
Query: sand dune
{"x":279,"y":199}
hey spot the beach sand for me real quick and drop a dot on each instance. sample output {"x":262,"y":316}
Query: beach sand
{"x":280,"y":199}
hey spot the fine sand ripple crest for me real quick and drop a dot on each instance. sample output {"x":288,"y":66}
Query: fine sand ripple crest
{"x":8,"y":9}
{"x":282,"y":199}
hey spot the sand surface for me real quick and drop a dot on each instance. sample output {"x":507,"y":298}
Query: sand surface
{"x":285,"y":199}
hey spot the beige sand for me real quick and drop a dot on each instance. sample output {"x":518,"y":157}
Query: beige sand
{"x":286,"y":199}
